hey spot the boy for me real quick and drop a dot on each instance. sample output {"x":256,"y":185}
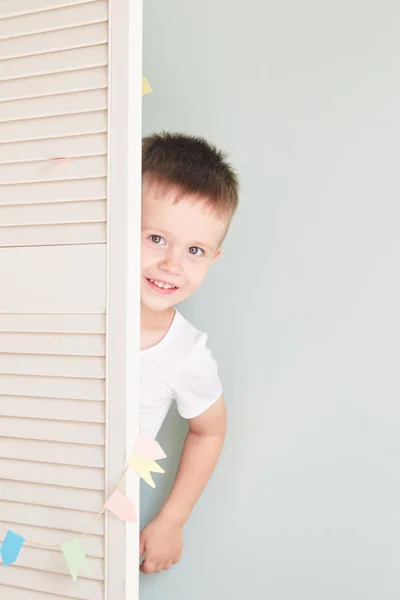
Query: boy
{"x":189,"y":196}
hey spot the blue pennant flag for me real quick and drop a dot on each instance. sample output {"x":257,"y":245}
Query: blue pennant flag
{"x":11,"y":547}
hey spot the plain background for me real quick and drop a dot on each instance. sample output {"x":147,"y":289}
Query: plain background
{"x":303,"y":308}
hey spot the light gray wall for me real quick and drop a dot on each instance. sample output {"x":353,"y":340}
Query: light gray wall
{"x":303,"y":310}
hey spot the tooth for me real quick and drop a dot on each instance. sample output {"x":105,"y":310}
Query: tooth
{"x":162,"y":285}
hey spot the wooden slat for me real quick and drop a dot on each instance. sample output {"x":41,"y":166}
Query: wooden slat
{"x":13,"y":8}
{"x":51,"y":583}
{"x":53,"y":235}
{"x":94,"y":544}
{"x":52,"y":408}
{"x":54,"y":431}
{"x":13,"y":593}
{"x":75,"y":521}
{"x":66,"y":147}
{"x":79,"y":37}
{"x":48,"y":365}
{"x":51,"y":127}
{"x":52,"y":561}
{"x":58,"y":83}
{"x":63,"y":18}
{"x":52,"y":343}
{"x":52,"y":323}
{"x":54,"y":62}
{"x":51,"y":474}
{"x":56,"y":213}
{"x":73,"y":168}
{"x":54,"y":452}
{"x":54,"y":191}
{"x":60,"y":104}
{"x":52,"y":387}
{"x":51,"y":495}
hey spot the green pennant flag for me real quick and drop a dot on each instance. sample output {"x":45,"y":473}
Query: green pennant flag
{"x":75,"y":558}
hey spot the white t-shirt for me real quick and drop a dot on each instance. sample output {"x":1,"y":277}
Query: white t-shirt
{"x":180,"y":368}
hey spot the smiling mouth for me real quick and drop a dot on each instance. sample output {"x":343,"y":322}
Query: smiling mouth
{"x":161,"y":286}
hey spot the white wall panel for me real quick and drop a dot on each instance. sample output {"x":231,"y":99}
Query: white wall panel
{"x":77,"y":275}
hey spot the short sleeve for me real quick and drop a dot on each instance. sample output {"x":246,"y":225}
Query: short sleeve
{"x":198,"y":384}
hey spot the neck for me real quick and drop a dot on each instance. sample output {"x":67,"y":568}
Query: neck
{"x":153,"y":319}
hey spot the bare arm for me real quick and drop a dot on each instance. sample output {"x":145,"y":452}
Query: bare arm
{"x":162,"y":539}
{"x":200,"y":454}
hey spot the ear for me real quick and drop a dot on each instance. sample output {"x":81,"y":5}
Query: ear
{"x":217,"y":254}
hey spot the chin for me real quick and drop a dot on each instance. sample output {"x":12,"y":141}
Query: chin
{"x":156,"y":305}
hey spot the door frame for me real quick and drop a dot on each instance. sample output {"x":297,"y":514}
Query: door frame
{"x":123,"y":286}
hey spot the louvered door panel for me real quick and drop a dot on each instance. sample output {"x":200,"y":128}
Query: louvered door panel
{"x":53,"y":120}
{"x":52,"y":480}
{"x":53,"y":223}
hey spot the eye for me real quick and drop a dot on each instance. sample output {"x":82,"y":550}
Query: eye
{"x":157,"y":239}
{"x":196,"y":251}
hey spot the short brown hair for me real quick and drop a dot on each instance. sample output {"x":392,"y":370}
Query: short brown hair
{"x":194,"y":166}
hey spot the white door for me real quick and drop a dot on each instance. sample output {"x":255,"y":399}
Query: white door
{"x":70,"y":121}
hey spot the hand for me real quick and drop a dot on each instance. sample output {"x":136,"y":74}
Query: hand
{"x":162,"y":542}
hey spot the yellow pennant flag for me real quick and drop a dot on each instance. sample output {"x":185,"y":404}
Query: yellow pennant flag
{"x":146,"y":87}
{"x":75,"y":558}
{"x":145,"y":466}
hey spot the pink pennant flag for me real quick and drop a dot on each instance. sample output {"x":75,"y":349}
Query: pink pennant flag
{"x":148,"y":448}
{"x":121,"y":507}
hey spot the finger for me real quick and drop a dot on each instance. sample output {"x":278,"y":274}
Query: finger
{"x":148,"y":567}
{"x":177,"y":558}
{"x":167,"y":565}
{"x":142,"y":547}
{"x":159,"y":567}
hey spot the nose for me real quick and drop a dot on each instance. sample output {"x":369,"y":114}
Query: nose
{"x":172,"y":262}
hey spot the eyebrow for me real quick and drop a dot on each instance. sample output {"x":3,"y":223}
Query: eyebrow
{"x":157,"y":229}
{"x":201,"y":245}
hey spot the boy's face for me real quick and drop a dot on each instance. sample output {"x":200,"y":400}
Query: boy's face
{"x":179,"y":243}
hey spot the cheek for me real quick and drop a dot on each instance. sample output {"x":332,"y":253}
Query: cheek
{"x":144,"y":255}
{"x":196,"y":272}
{"x":149,"y":254}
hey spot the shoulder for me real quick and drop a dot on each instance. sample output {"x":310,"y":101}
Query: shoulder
{"x":196,"y":384}
{"x":189,"y":339}
{"x":197,"y":361}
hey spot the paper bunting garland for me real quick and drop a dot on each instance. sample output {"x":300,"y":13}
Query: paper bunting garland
{"x":75,"y":558}
{"x":11,"y":547}
{"x":145,"y":452}
{"x":144,"y":467}
{"x":148,"y":448}
{"x":121,"y":507}
{"x":146,"y":87}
